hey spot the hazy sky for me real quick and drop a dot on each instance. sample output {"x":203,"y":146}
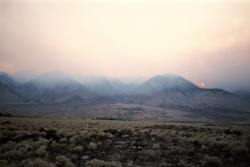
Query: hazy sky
{"x":202,"y":40}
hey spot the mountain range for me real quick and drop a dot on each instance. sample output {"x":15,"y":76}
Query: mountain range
{"x":173,"y":91}
{"x":166,"y":91}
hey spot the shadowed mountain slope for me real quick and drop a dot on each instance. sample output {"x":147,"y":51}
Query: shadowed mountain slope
{"x":49,"y":87}
{"x":23,"y":76}
{"x":8,"y":95}
{"x":7,"y":80}
{"x":170,"y":90}
{"x":244,"y":94}
{"x":106,"y":86}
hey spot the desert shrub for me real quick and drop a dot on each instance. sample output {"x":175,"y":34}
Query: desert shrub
{"x":37,"y":133}
{"x":24,"y":146}
{"x":69,"y":164}
{"x":239,"y":149}
{"x":109,"y":135}
{"x":156,"y":145}
{"x":99,"y":143}
{"x":23,"y":133}
{"x":225,"y":149}
{"x":161,"y":135}
{"x":154,"y":134}
{"x":43,"y":133}
{"x":25,"y":162}
{"x":70,"y":134}
{"x":74,"y":157}
{"x":63,"y":161}
{"x":191,"y":139}
{"x":101,"y":136}
{"x":100,"y":163}
{"x":87,"y":137}
{"x":83,"y":133}
{"x":173,"y":133}
{"x":3,"y":163}
{"x":11,"y":154}
{"x":169,"y":138}
{"x":41,"y":150}
{"x":147,"y":130}
{"x":92,"y":145}
{"x":213,"y":160}
{"x":150,"y":152}
{"x":78,"y":148}
{"x":41,"y":141}
{"x":39,"y":163}
{"x":204,"y":148}
{"x":1,"y":136}
{"x":74,"y":139}
{"x":63,"y":140}
{"x":6,"y":147}
{"x":126,"y":135}
{"x":60,"y":133}
{"x":142,"y":136}
{"x":54,"y":144}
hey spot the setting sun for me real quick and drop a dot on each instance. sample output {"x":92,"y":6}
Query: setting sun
{"x":202,"y":84}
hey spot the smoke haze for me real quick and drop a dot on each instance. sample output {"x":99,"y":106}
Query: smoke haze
{"x":203,"y":41}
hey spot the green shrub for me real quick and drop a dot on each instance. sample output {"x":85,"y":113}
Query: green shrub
{"x":3,"y":163}
{"x":153,"y":134}
{"x":74,"y":139}
{"x":87,"y":137}
{"x":6,"y":147}
{"x":25,"y":162}
{"x":92,"y":145}
{"x":204,"y":148}
{"x":39,"y":163}
{"x":142,"y":136}
{"x":54,"y":144}
{"x":41,"y":141}
{"x":239,"y":149}
{"x":11,"y":154}
{"x":70,"y":134}
{"x":78,"y":148}
{"x":225,"y":149}
{"x":61,"y":160}
{"x":41,"y":151}
{"x":101,"y":136}
{"x":146,"y":130}
{"x":109,"y":135}
{"x":63,"y":140}
{"x":99,"y":163}
{"x":213,"y":160}
{"x":43,"y":133}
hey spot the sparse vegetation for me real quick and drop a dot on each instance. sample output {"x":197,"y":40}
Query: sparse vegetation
{"x":6,"y":115}
{"x":112,"y":119}
{"x":57,"y":142}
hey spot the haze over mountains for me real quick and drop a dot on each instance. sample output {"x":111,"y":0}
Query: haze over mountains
{"x":173,"y":91}
{"x":166,"y":91}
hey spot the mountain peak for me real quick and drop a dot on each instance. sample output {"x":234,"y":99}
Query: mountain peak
{"x":6,"y":79}
{"x":53,"y":78}
{"x":23,"y":76}
{"x":170,"y":75}
{"x":164,"y":82}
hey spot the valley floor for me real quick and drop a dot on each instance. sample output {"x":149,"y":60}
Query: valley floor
{"x":124,"y":111}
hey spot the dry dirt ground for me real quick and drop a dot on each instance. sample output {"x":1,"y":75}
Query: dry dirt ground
{"x":46,"y":142}
{"x":125,"y":111}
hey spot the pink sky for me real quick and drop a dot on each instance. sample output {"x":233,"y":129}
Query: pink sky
{"x":203,"y":41}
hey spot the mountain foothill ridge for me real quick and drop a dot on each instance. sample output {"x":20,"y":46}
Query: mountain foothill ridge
{"x":166,"y":91}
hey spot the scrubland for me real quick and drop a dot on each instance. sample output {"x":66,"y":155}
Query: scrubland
{"x":35,"y":142}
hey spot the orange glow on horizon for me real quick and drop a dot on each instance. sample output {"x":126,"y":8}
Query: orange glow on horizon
{"x":202,"y":84}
